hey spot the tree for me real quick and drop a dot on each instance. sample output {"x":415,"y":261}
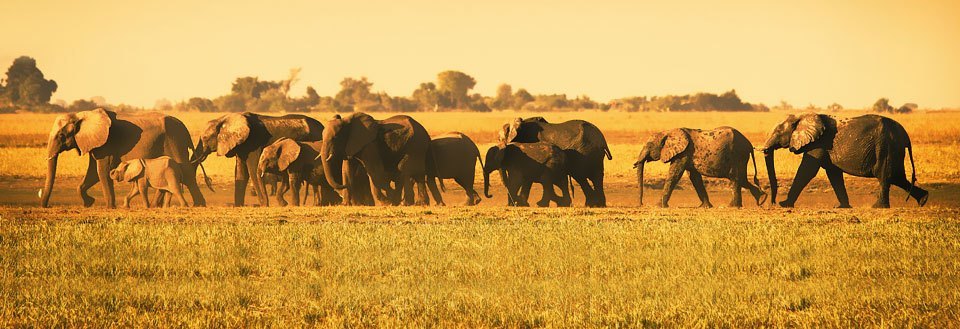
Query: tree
{"x":835,"y":107}
{"x":199,"y":104}
{"x":504,"y":97}
{"x":907,"y":108}
{"x":82,"y":105}
{"x":26,"y":84}
{"x":882,"y":105}
{"x":312,"y":98}
{"x":427,"y":97}
{"x":162,"y":104}
{"x":521,"y":98}
{"x":353,"y":91}
{"x":456,"y":84}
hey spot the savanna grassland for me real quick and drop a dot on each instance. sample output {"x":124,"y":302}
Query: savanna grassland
{"x":489,"y":266}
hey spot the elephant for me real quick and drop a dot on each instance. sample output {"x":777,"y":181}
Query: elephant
{"x":722,"y":153}
{"x":297,"y":160}
{"x":271,"y":184}
{"x":391,"y":150}
{"x":455,"y":156}
{"x":243,"y":136}
{"x":109,"y":138}
{"x":522,"y":164}
{"x":161,"y":173}
{"x":864,"y":146}
{"x":582,"y":142}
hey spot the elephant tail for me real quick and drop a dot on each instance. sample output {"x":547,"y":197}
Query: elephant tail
{"x":572,"y":190}
{"x":753,"y":158}
{"x":913,"y":169}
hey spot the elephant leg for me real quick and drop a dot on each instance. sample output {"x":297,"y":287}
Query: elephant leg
{"x":89,"y":180}
{"x":254,"y":174}
{"x":432,"y":185}
{"x":883,"y":198}
{"x":473,"y":197}
{"x":599,"y":197}
{"x":176,"y":192}
{"x":585,"y":187}
{"x":280,"y":192}
{"x":158,"y":199}
{"x":835,"y":175}
{"x":564,"y":200}
{"x":296,"y":183}
{"x":737,"y":189}
{"x":677,"y":167}
{"x":809,"y":166}
{"x":548,"y":193}
{"x":916,"y":192}
{"x":189,"y":178}
{"x":514,"y":185}
{"x":142,"y":186}
{"x":701,"y":189}
{"x":241,"y":177}
{"x":756,"y":191}
{"x":103,"y":171}
{"x":423,"y":199}
{"x":133,"y":193}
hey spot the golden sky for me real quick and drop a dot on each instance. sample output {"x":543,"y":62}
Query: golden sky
{"x":819,"y":52}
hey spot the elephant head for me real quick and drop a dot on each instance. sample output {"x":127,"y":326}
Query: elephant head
{"x":662,"y":146}
{"x":494,"y":161}
{"x":278,"y":156}
{"x":343,"y":138}
{"x":794,"y":133}
{"x":509,"y":132}
{"x":83,"y":131}
{"x":127,"y":171}
{"x":222,"y":135}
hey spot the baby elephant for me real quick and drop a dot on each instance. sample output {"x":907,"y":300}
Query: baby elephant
{"x":161,"y":173}
{"x":522,"y":164}
{"x":296,"y":161}
{"x":722,"y":153}
{"x":456,"y":157}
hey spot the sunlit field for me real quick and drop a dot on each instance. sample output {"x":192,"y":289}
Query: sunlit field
{"x":489,"y":266}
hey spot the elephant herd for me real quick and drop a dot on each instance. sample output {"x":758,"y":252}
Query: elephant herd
{"x":359,"y":160}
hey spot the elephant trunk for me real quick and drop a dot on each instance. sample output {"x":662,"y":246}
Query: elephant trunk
{"x":772,"y":174}
{"x":329,"y":173}
{"x":199,"y":153}
{"x":48,"y":184}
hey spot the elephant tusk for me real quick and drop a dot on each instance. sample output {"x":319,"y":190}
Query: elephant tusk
{"x":329,"y":157}
{"x":40,"y":193}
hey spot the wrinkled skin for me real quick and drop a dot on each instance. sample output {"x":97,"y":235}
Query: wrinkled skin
{"x":392,"y":151}
{"x":864,"y":146}
{"x":456,"y":158}
{"x":298,"y":162}
{"x":722,"y":153}
{"x":243,"y":136}
{"x":583,"y":143}
{"x":109,"y":138}
{"x":521,"y":165}
{"x":161,"y":173}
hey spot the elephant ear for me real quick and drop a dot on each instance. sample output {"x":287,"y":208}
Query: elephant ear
{"x":509,"y":131}
{"x":234,"y":130}
{"x":674,"y":142}
{"x":363,"y":130}
{"x":94,"y":129}
{"x":809,"y":128}
{"x":289,"y":152}
{"x":134,"y":169}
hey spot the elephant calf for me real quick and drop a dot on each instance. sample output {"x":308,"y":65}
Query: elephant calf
{"x":296,"y":161}
{"x":522,"y":164}
{"x":722,"y":152}
{"x":161,"y":173}
{"x":455,"y":156}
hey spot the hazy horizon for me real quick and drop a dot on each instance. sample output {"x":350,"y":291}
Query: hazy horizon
{"x":802,"y":52}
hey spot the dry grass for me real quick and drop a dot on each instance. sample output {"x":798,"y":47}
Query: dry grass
{"x":485,"y":267}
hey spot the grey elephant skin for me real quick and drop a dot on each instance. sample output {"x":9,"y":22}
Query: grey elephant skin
{"x":393,"y":150}
{"x":109,"y":138}
{"x":722,"y":153}
{"x":864,"y":146}
{"x":298,"y":162}
{"x":243,"y":136}
{"x":582,"y":142}
{"x":522,"y":164}
{"x":455,"y":157}
{"x":161,"y":173}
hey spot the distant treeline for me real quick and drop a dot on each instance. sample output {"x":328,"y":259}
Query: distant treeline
{"x":26,"y":89}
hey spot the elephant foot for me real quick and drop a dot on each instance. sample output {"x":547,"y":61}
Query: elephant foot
{"x":87,"y":200}
{"x":761,"y":199}
{"x":922,"y":200}
{"x":877,"y":205}
{"x":543,"y":203}
{"x":735,"y":204}
{"x":706,"y":205}
{"x":786,"y":204}
{"x":848,"y":206}
{"x":663,"y":205}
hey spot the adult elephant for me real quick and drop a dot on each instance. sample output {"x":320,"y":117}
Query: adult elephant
{"x":391,"y":150}
{"x":582,"y":142}
{"x":110,"y":138}
{"x":243,"y":136}
{"x":864,"y":146}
